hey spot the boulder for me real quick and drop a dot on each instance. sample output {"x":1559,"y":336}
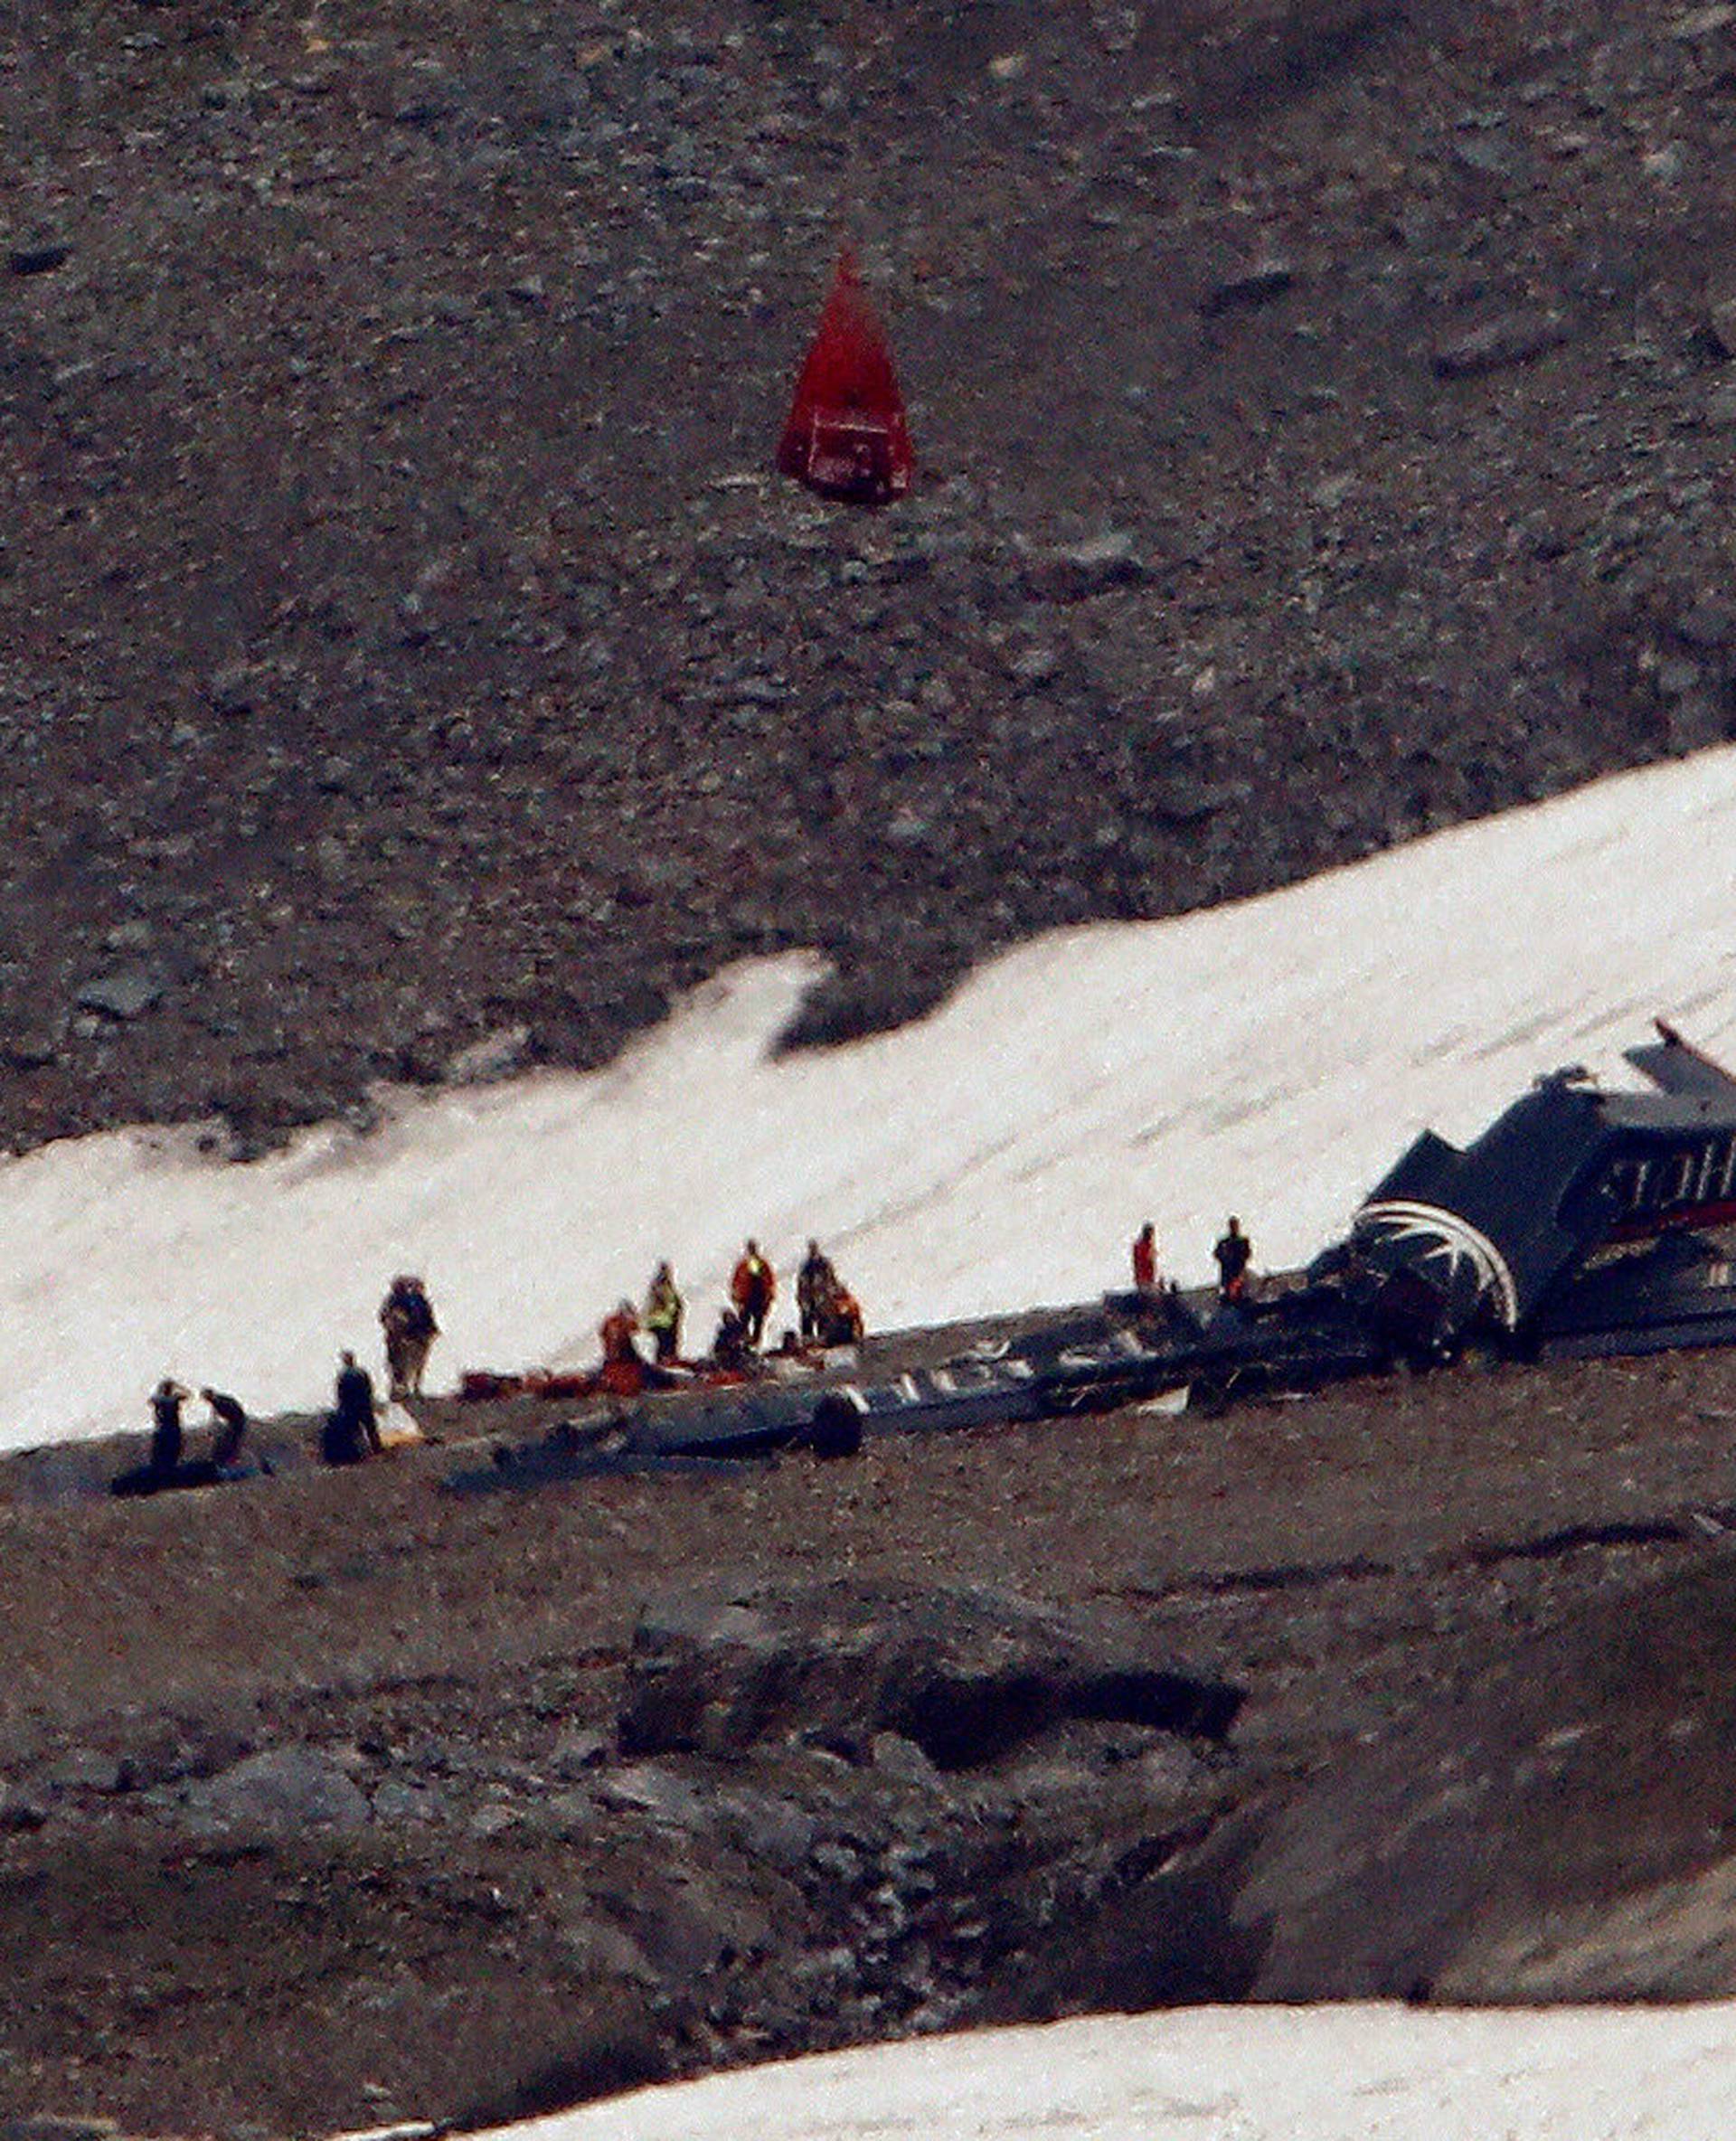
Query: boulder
{"x":666,"y":1798}
{"x":1709,"y":626}
{"x":82,"y":1769}
{"x":282,"y":1792}
{"x":496,"y":1055}
{"x":1256,"y":284}
{"x":1512,"y":338}
{"x":21,"y":1808}
{"x":963,"y":1676}
{"x":126,"y":994}
{"x":580,"y":1749}
{"x":1093,"y":567}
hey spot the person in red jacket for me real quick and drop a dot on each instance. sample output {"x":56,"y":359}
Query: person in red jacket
{"x":1145,"y":1260}
{"x":753,"y":1288}
{"x":623,"y":1370}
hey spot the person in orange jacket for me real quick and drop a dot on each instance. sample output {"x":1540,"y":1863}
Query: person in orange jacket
{"x":840,"y":1321}
{"x":618,"y":1331}
{"x":753,"y":1287}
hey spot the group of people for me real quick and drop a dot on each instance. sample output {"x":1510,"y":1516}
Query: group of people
{"x":1233,"y":1254}
{"x":167,"y":1466}
{"x":352,"y":1431}
{"x":827,"y":1312}
{"x":349,"y":1432}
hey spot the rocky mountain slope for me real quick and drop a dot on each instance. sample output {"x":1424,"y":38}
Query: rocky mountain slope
{"x":327,"y":1800}
{"x":1323,"y":410}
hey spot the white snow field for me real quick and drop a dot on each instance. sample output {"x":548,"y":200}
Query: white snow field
{"x":1353,"y":2073}
{"x":1270,"y":1058}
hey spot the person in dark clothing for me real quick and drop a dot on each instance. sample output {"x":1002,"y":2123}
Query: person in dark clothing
{"x":730,"y":1348}
{"x":1233,"y":1253}
{"x":229,"y":1422}
{"x":163,"y":1469}
{"x":353,"y":1425}
{"x":816,"y":1283}
{"x":166,"y":1401}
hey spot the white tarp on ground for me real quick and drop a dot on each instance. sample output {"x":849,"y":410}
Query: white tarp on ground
{"x":1270,"y":1058}
{"x":1353,"y":2073}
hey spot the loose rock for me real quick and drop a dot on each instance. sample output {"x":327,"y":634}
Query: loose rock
{"x":282,"y":1791}
{"x":126,"y":994}
{"x":1253,"y":286}
{"x":1087,"y":569}
{"x":963,"y":1676}
{"x":1516,"y":338}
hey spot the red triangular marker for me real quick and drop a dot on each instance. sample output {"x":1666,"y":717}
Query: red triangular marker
{"x":845,"y":435}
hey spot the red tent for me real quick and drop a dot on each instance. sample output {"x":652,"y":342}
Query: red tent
{"x":847,"y":436}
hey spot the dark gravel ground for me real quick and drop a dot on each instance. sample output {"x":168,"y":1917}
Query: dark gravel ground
{"x":1324,"y":412}
{"x":1479,"y":1623}
{"x":402,"y":641}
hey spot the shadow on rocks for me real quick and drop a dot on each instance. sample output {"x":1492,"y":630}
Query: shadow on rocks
{"x":618,"y":2051}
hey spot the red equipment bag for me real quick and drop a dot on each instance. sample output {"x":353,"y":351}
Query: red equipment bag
{"x":846,"y":437}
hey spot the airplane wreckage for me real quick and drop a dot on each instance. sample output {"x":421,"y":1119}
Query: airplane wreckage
{"x":1581,"y":1222}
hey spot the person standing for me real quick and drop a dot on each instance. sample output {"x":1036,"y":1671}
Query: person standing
{"x":166,"y":1401}
{"x":161,"y":1468}
{"x":816,"y":1283}
{"x":407,"y":1318}
{"x":1145,"y":1260}
{"x":1232,"y":1254}
{"x":353,"y":1425}
{"x":663,"y":1313}
{"x":753,"y":1287}
{"x":229,"y":1423}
